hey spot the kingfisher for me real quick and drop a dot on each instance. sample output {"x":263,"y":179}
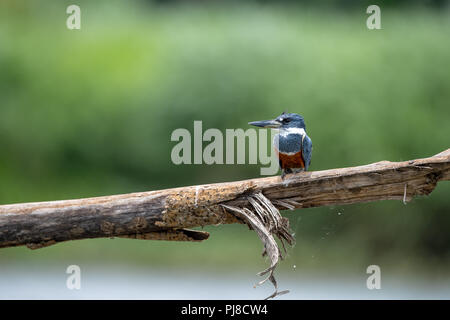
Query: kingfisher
{"x":292,"y":145}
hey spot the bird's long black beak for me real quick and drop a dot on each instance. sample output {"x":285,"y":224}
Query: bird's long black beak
{"x":266,"y":124}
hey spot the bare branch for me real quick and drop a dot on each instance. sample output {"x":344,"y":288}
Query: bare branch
{"x":165,"y":214}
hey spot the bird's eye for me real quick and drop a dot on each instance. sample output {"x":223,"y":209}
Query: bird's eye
{"x":285,"y":120}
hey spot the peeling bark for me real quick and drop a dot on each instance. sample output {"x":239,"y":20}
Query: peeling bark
{"x":165,"y":214}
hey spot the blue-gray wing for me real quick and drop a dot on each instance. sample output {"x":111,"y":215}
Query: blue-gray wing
{"x":306,"y":151}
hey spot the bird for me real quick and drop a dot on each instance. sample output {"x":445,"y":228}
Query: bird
{"x":292,"y":145}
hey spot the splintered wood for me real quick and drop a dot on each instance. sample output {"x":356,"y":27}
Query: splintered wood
{"x":141,"y":215}
{"x":266,"y":220}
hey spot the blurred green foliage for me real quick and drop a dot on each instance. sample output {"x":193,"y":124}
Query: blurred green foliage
{"x":89,"y":112}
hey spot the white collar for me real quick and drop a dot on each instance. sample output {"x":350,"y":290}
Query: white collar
{"x":285,"y":132}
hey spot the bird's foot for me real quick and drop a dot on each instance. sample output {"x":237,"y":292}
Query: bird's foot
{"x":285,"y":172}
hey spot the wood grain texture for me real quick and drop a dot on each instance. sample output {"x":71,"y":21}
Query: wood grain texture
{"x":165,"y":214}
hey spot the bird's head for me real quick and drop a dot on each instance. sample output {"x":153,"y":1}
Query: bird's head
{"x":283,"y":121}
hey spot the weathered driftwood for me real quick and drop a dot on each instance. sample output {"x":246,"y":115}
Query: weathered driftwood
{"x":165,"y":214}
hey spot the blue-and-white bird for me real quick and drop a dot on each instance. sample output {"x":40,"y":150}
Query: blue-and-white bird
{"x":292,"y":144}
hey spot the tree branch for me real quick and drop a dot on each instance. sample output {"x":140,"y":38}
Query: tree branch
{"x":165,"y":214}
